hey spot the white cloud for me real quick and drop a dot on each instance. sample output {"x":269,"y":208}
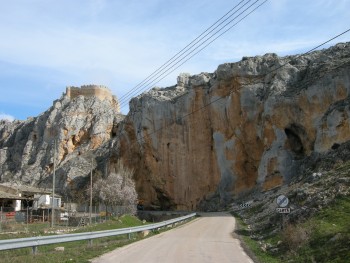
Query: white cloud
{"x":8,"y":117}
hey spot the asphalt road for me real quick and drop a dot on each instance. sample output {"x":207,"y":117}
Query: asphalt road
{"x":206,"y":239}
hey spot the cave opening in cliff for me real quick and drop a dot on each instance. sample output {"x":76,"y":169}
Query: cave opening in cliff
{"x":335,"y":146}
{"x":164,"y":201}
{"x":294,"y":140}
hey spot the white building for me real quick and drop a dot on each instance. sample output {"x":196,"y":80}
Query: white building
{"x":45,"y":200}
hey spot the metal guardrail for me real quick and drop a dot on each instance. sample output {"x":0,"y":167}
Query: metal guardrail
{"x":34,"y":242}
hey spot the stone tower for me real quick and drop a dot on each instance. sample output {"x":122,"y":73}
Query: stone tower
{"x":99,"y":91}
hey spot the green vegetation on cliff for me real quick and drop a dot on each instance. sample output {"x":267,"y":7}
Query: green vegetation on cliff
{"x":320,"y":231}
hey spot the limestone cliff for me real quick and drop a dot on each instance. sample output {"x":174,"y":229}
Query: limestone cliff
{"x":77,"y":126}
{"x":247,"y":127}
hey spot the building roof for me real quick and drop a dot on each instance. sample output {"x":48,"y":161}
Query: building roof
{"x":5,"y":195}
{"x":23,"y":189}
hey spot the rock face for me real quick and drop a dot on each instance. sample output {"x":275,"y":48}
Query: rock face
{"x":247,"y":127}
{"x":77,"y":126}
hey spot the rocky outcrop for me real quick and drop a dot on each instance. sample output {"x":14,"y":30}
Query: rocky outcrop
{"x":70,"y":133}
{"x":248,"y":127}
{"x":243,"y":128}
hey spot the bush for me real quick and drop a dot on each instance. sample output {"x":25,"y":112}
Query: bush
{"x":295,"y":236}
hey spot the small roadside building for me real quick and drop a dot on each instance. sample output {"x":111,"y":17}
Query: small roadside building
{"x":10,"y":202}
{"x":16,"y":197}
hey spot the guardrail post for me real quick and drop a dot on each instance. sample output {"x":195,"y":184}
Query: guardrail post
{"x":90,"y":242}
{"x":34,"y":250}
{"x":129,"y":235}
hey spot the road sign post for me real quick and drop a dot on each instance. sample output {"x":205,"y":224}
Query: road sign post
{"x":283,"y":210}
{"x":282,"y":201}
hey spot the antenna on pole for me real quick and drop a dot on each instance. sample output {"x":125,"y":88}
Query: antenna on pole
{"x":53,"y":186}
{"x":90,"y":210}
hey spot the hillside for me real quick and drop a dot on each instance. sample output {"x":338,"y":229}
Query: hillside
{"x":318,"y":227}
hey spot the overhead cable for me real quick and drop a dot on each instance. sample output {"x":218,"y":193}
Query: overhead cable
{"x":191,"y":48}
{"x":181,"y":51}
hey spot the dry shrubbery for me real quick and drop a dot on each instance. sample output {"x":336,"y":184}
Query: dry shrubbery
{"x":295,"y":236}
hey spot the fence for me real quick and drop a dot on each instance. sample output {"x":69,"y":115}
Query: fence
{"x":9,"y":221}
{"x":103,"y":210}
{"x":20,"y":221}
{"x":34,"y":242}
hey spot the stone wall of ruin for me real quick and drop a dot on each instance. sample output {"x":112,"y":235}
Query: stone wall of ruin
{"x":98,"y":91}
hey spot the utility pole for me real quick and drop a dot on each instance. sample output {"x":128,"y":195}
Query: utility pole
{"x":1,"y":217}
{"x":90,"y":210}
{"x":53,"y":187}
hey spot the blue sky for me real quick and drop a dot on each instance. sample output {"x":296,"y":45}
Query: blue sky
{"x":47,"y":45}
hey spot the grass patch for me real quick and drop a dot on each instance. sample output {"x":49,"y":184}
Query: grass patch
{"x":73,"y":251}
{"x":330,"y":238}
{"x":254,"y":209}
{"x":44,"y":229}
{"x":250,"y":244}
{"x":113,"y":223}
{"x":22,"y":230}
{"x":323,"y":238}
{"x":343,"y":168}
{"x":79,"y":251}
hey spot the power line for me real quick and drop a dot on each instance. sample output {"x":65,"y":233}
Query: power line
{"x":166,"y":70}
{"x":177,"y":54}
{"x":193,"y":41}
{"x":161,"y":77}
{"x":320,"y":45}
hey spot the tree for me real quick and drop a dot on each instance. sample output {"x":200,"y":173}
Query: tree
{"x":118,"y":189}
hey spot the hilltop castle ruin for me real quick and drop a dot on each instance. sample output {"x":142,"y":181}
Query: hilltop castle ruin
{"x":99,"y":91}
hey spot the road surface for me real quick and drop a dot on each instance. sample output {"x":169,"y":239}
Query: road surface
{"x":206,"y":239}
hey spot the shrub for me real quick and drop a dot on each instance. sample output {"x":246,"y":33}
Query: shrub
{"x":295,"y":236}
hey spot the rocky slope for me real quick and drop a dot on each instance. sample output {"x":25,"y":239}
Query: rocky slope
{"x":246,"y":128}
{"x":317,"y":227}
